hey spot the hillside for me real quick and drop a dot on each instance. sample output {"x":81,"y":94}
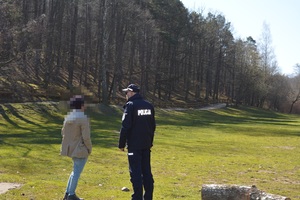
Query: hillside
{"x":50,"y":50}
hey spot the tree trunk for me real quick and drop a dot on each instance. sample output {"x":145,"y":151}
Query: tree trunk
{"x":103,"y":73}
{"x":72,"y":48}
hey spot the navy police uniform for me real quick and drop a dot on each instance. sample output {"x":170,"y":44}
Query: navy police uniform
{"x":138,"y":127}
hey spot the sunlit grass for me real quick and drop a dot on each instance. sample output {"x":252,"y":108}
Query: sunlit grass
{"x":243,"y":146}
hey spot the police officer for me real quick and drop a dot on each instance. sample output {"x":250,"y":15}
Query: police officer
{"x":138,"y":127}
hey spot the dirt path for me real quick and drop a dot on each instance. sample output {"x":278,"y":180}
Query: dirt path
{"x":210,"y":107}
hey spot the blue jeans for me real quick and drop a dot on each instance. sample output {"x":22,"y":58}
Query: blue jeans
{"x":78,"y":165}
{"x":140,"y":173}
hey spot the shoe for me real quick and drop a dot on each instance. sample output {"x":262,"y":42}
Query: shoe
{"x":74,"y":197}
{"x":66,"y":196}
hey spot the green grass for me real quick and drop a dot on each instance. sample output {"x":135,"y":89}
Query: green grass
{"x":244,"y":146}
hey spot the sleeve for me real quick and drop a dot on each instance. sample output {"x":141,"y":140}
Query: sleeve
{"x":153,"y":124}
{"x":86,"y":135}
{"x":62,"y":130}
{"x":126,"y":124}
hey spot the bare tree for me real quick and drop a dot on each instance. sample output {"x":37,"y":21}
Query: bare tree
{"x":72,"y":47}
{"x":296,"y":87}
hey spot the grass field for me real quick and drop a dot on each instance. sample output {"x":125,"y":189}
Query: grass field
{"x":243,"y":146}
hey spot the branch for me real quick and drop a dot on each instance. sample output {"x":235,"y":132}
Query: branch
{"x":2,"y":64}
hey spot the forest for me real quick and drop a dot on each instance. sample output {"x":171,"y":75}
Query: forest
{"x":50,"y":49}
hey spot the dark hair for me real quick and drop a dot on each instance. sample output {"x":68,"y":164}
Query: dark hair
{"x":76,"y":102}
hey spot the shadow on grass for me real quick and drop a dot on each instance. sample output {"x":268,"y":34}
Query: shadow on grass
{"x":105,"y":126}
{"x":24,"y":129}
{"x":105,"y":123}
{"x":230,"y":117}
{"x":6,"y":117}
{"x":46,"y":136}
{"x":14,"y":112}
{"x":44,"y":110}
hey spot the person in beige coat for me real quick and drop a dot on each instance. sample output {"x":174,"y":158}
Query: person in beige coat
{"x":76,"y":142}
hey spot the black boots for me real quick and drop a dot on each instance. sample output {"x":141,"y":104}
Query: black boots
{"x":72,"y":197}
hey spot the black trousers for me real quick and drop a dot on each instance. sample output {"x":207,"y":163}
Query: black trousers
{"x":140,"y":174}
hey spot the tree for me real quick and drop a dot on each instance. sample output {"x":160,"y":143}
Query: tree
{"x":295,"y":87}
{"x":72,"y":44}
{"x":195,"y":52}
{"x":9,"y":23}
{"x":172,"y":18}
{"x":267,"y":62}
{"x":279,"y":92}
{"x":103,"y":45}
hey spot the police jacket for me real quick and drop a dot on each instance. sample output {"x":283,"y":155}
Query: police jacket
{"x":138,"y":124}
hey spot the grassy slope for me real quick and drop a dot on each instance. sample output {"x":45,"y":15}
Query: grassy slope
{"x":229,"y":146}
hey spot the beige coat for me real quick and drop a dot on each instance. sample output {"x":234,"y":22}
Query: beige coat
{"x":76,"y":140}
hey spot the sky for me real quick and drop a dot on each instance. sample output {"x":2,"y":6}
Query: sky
{"x":248,"y":16}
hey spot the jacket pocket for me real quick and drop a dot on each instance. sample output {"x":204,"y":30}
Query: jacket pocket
{"x":80,"y":151}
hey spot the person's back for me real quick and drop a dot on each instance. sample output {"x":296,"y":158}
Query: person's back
{"x":76,"y":140}
{"x":76,"y":143}
{"x":138,"y":127}
{"x":143,"y":123}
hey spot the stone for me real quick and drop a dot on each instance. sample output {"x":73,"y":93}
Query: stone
{"x":225,"y":192}
{"x":4,"y":187}
{"x":125,"y":189}
{"x":236,"y":192}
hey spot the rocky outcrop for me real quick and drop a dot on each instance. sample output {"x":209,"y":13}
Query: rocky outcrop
{"x":236,"y":192}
